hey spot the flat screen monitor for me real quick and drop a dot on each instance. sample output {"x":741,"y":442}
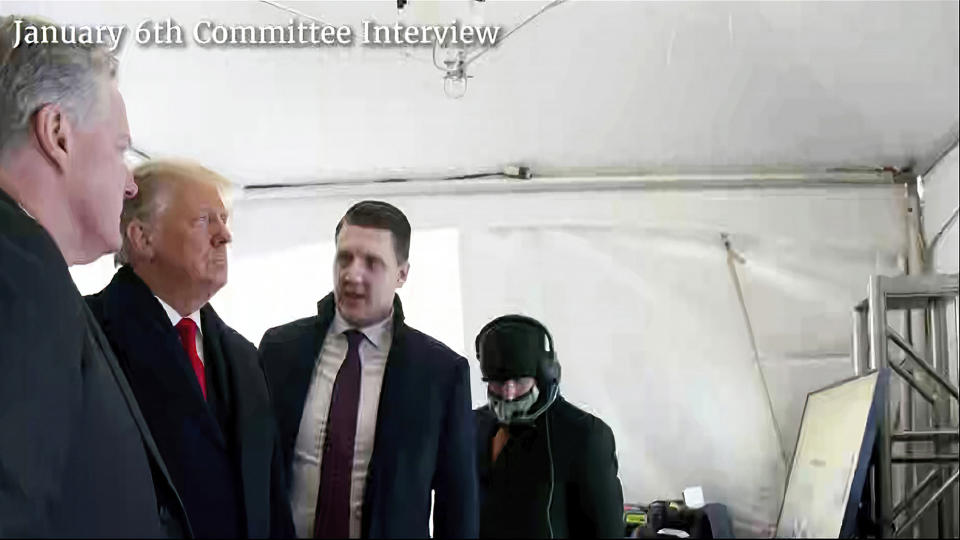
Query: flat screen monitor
{"x":831,"y":459}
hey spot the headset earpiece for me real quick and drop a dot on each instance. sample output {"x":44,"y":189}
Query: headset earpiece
{"x":549,"y":368}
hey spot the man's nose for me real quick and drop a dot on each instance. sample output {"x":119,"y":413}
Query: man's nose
{"x":129,"y":186}
{"x":353,"y":272}
{"x":222,"y":234}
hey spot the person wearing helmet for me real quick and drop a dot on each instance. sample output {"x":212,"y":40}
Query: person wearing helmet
{"x":546,"y":468}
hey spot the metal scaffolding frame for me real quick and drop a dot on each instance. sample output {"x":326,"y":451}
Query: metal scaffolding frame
{"x":925,"y":370}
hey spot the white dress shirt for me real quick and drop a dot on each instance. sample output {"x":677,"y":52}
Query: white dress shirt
{"x":308,"y":450}
{"x":175,"y":319}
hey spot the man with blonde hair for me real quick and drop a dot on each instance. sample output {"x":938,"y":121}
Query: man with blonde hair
{"x":197,"y":380}
{"x":76,"y":456}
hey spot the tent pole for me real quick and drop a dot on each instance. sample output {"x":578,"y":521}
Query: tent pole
{"x":732,"y":258}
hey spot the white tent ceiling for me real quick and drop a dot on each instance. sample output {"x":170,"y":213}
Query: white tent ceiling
{"x":590,"y":85}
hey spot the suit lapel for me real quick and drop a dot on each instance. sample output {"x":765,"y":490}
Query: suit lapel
{"x":219,"y":370}
{"x":394,"y":376}
{"x":291,"y":378}
{"x":100,"y":342}
{"x":146,"y":337}
{"x":250,"y":417}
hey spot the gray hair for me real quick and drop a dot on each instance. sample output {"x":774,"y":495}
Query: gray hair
{"x":155,"y":180}
{"x":71,"y":75}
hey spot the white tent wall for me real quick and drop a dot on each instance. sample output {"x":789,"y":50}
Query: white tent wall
{"x":940,"y":193}
{"x":635,"y":286}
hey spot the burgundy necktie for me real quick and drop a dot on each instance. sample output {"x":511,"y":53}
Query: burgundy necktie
{"x":332,"y":519}
{"x":188,"y":338}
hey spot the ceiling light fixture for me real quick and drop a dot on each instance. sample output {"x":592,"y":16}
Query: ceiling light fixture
{"x":455,"y":65}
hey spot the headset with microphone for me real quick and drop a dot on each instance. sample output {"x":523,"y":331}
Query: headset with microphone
{"x":548,"y":368}
{"x":548,"y":375}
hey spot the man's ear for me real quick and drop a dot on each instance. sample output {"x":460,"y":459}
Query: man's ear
{"x":404,"y":270}
{"x":139,"y":236}
{"x":54,"y":135}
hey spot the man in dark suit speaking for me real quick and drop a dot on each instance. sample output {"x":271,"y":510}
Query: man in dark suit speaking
{"x":197,"y":380}
{"x":76,"y":457}
{"x":374,"y":415}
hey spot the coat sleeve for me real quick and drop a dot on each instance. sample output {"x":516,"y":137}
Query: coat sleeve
{"x":41,"y":344}
{"x":281,"y":516}
{"x":456,"y":506}
{"x":601,"y":496}
{"x":265,"y":351}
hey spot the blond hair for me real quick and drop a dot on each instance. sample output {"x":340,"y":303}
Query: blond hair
{"x":154,"y":180}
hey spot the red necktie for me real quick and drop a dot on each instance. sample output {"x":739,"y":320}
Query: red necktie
{"x":188,"y":338}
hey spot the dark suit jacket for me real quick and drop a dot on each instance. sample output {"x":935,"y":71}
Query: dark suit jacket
{"x":424,"y":436}
{"x":223,"y":453}
{"x":76,"y":456}
{"x":587,"y":500}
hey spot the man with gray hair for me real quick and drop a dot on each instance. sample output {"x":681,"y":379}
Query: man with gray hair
{"x":197,"y":380}
{"x":76,"y":456}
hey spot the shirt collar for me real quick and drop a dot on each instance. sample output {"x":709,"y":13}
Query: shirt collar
{"x":6,"y":196}
{"x":25,"y":211}
{"x":175,"y":316}
{"x":378,"y":334}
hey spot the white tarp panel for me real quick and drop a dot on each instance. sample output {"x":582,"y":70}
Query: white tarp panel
{"x":636,"y":289}
{"x":940,"y":198}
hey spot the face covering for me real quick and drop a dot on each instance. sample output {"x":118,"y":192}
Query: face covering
{"x":510,"y":412}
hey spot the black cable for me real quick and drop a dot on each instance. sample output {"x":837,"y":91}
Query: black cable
{"x":474,"y":175}
{"x":522,"y":174}
{"x":552,"y":475}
